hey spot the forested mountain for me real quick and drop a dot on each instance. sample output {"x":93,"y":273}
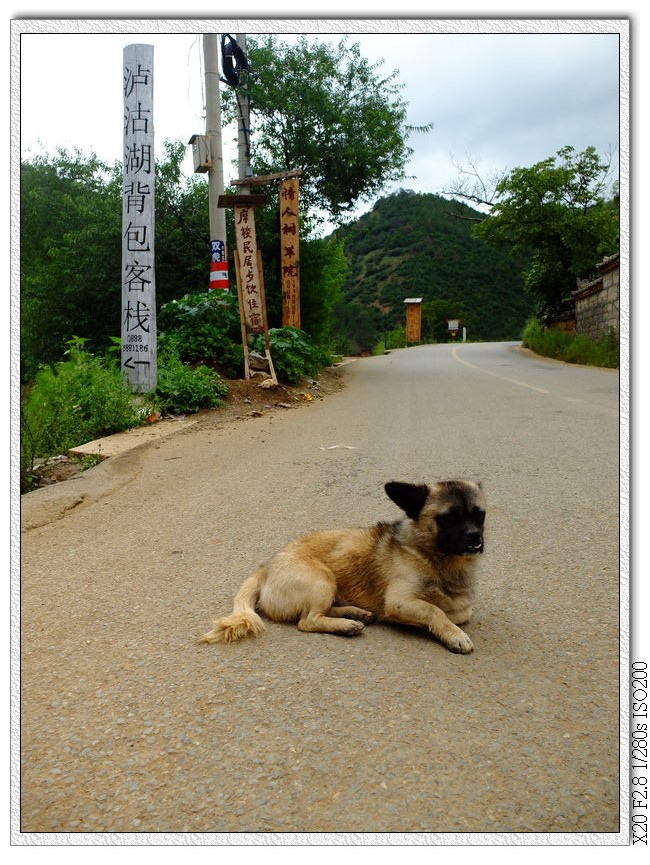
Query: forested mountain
{"x":410,"y":245}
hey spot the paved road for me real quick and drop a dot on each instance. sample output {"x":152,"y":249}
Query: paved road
{"x":128,"y":725}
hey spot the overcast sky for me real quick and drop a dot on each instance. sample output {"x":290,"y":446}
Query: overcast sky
{"x":506,"y":99}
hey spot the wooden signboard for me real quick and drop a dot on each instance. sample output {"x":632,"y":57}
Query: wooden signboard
{"x":138,"y":330}
{"x":290,"y":252}
{"x":249,"y":270}
{"x":245,"y":333}
{"x":413,"y":319}
{"x":250,"y":280}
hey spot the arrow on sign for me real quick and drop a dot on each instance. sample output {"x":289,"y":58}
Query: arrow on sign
{"x":129,"y":363}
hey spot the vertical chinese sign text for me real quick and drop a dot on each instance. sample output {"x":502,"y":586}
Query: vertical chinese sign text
{"x":139,"y":359}
{"x":250,"y":279}
{"x":290,"y":255}
{"x":218,"y":265}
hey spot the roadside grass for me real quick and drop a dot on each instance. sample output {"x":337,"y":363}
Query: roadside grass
{"x":85,"y":396}
{"x":551,"y":342}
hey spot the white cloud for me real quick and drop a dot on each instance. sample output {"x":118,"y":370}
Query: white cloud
{"x":507,"y":99}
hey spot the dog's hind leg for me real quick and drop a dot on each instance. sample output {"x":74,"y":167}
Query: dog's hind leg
{"x":322,"y":615}
{"x":352,"y":613}
{"x":303,"y":590}
{"x":321,"y":623}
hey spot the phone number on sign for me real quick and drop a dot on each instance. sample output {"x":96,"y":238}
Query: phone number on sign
{"x":639,"y":752}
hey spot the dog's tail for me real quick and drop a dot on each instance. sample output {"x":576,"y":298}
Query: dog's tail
{"x":243,"y":621}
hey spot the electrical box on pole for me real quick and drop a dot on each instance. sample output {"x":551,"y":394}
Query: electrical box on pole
{"x":200,"y":153}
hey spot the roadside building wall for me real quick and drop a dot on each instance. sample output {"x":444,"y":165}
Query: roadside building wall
{"x":598,"y":301}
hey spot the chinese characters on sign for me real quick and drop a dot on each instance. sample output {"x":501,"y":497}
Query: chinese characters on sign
{"x":413,"y":319}
{"x":138,"y":318}
{"x":250,"y":285}
{"x":290,"y":258}
{"x":218,"y":265}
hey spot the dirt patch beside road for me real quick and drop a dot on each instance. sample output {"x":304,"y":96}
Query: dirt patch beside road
{"x":246,"y":398}
{"x":98,"y":468}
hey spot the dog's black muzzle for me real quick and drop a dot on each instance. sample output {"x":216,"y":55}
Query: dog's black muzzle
{"x":473,"y":543}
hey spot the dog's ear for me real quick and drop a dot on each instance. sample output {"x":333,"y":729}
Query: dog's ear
{"x":409,"y":497}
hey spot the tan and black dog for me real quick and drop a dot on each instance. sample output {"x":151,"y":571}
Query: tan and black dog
{"x":418,"y":570}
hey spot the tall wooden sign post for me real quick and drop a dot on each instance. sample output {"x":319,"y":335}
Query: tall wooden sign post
{"x":139,"y":353}
{"x":289,"y":237}
{"x":249,"y":274}
{"x":290,"y":251}
{"x":413,"y":319}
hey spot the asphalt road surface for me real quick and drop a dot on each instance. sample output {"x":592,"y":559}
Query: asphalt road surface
{"x":128,"y":725}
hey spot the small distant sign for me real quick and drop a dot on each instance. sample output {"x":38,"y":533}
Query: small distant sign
{"x":453,"y":323}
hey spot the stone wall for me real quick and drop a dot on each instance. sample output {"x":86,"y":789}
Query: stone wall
{"x":597,"y":301}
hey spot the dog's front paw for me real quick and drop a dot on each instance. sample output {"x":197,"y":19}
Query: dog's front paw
{"x":459,"y":642}
{"x":352,"y":628}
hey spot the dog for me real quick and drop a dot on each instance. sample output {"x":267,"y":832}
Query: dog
{"x":418,"y":570}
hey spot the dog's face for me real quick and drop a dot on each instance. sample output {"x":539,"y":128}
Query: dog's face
{"x":449,"y":514}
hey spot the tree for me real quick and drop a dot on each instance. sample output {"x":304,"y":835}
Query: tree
{"x":70,"y":239}
{"x":357,"y":328}
{"x":323,"y":269}
{"x":70,"y":230}
{"x":71,"y":225}
{"x":182,"y":228}
{"x":557,"y":211}
{"x":474,"y":187}
{"x":436,"y":314}
{"x":328,"y":111}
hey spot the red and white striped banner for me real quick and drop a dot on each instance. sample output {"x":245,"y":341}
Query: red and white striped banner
{"x":219,"y":275}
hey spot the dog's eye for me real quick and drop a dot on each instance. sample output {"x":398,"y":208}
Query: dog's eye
{"x":478,"y":515}
{"x":448,"y":519}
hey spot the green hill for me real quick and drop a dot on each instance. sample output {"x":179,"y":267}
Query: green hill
{"x":410,"y":245}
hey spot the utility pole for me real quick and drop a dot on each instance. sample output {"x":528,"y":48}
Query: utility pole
{"x":217,"y":215}
{"x":248,"y":259}
{"x":243,"y":133}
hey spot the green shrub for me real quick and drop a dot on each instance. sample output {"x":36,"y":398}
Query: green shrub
{"x":204,"y":327}
{"x":552,"y":342}
{"x":395,"y":338}
{"x":73,"y":402}
{"x":294,"y":353}
{"x":183,"y":388}
{"x":86,"y":397}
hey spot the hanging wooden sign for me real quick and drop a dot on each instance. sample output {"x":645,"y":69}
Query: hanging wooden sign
{"x":290,"y":252}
